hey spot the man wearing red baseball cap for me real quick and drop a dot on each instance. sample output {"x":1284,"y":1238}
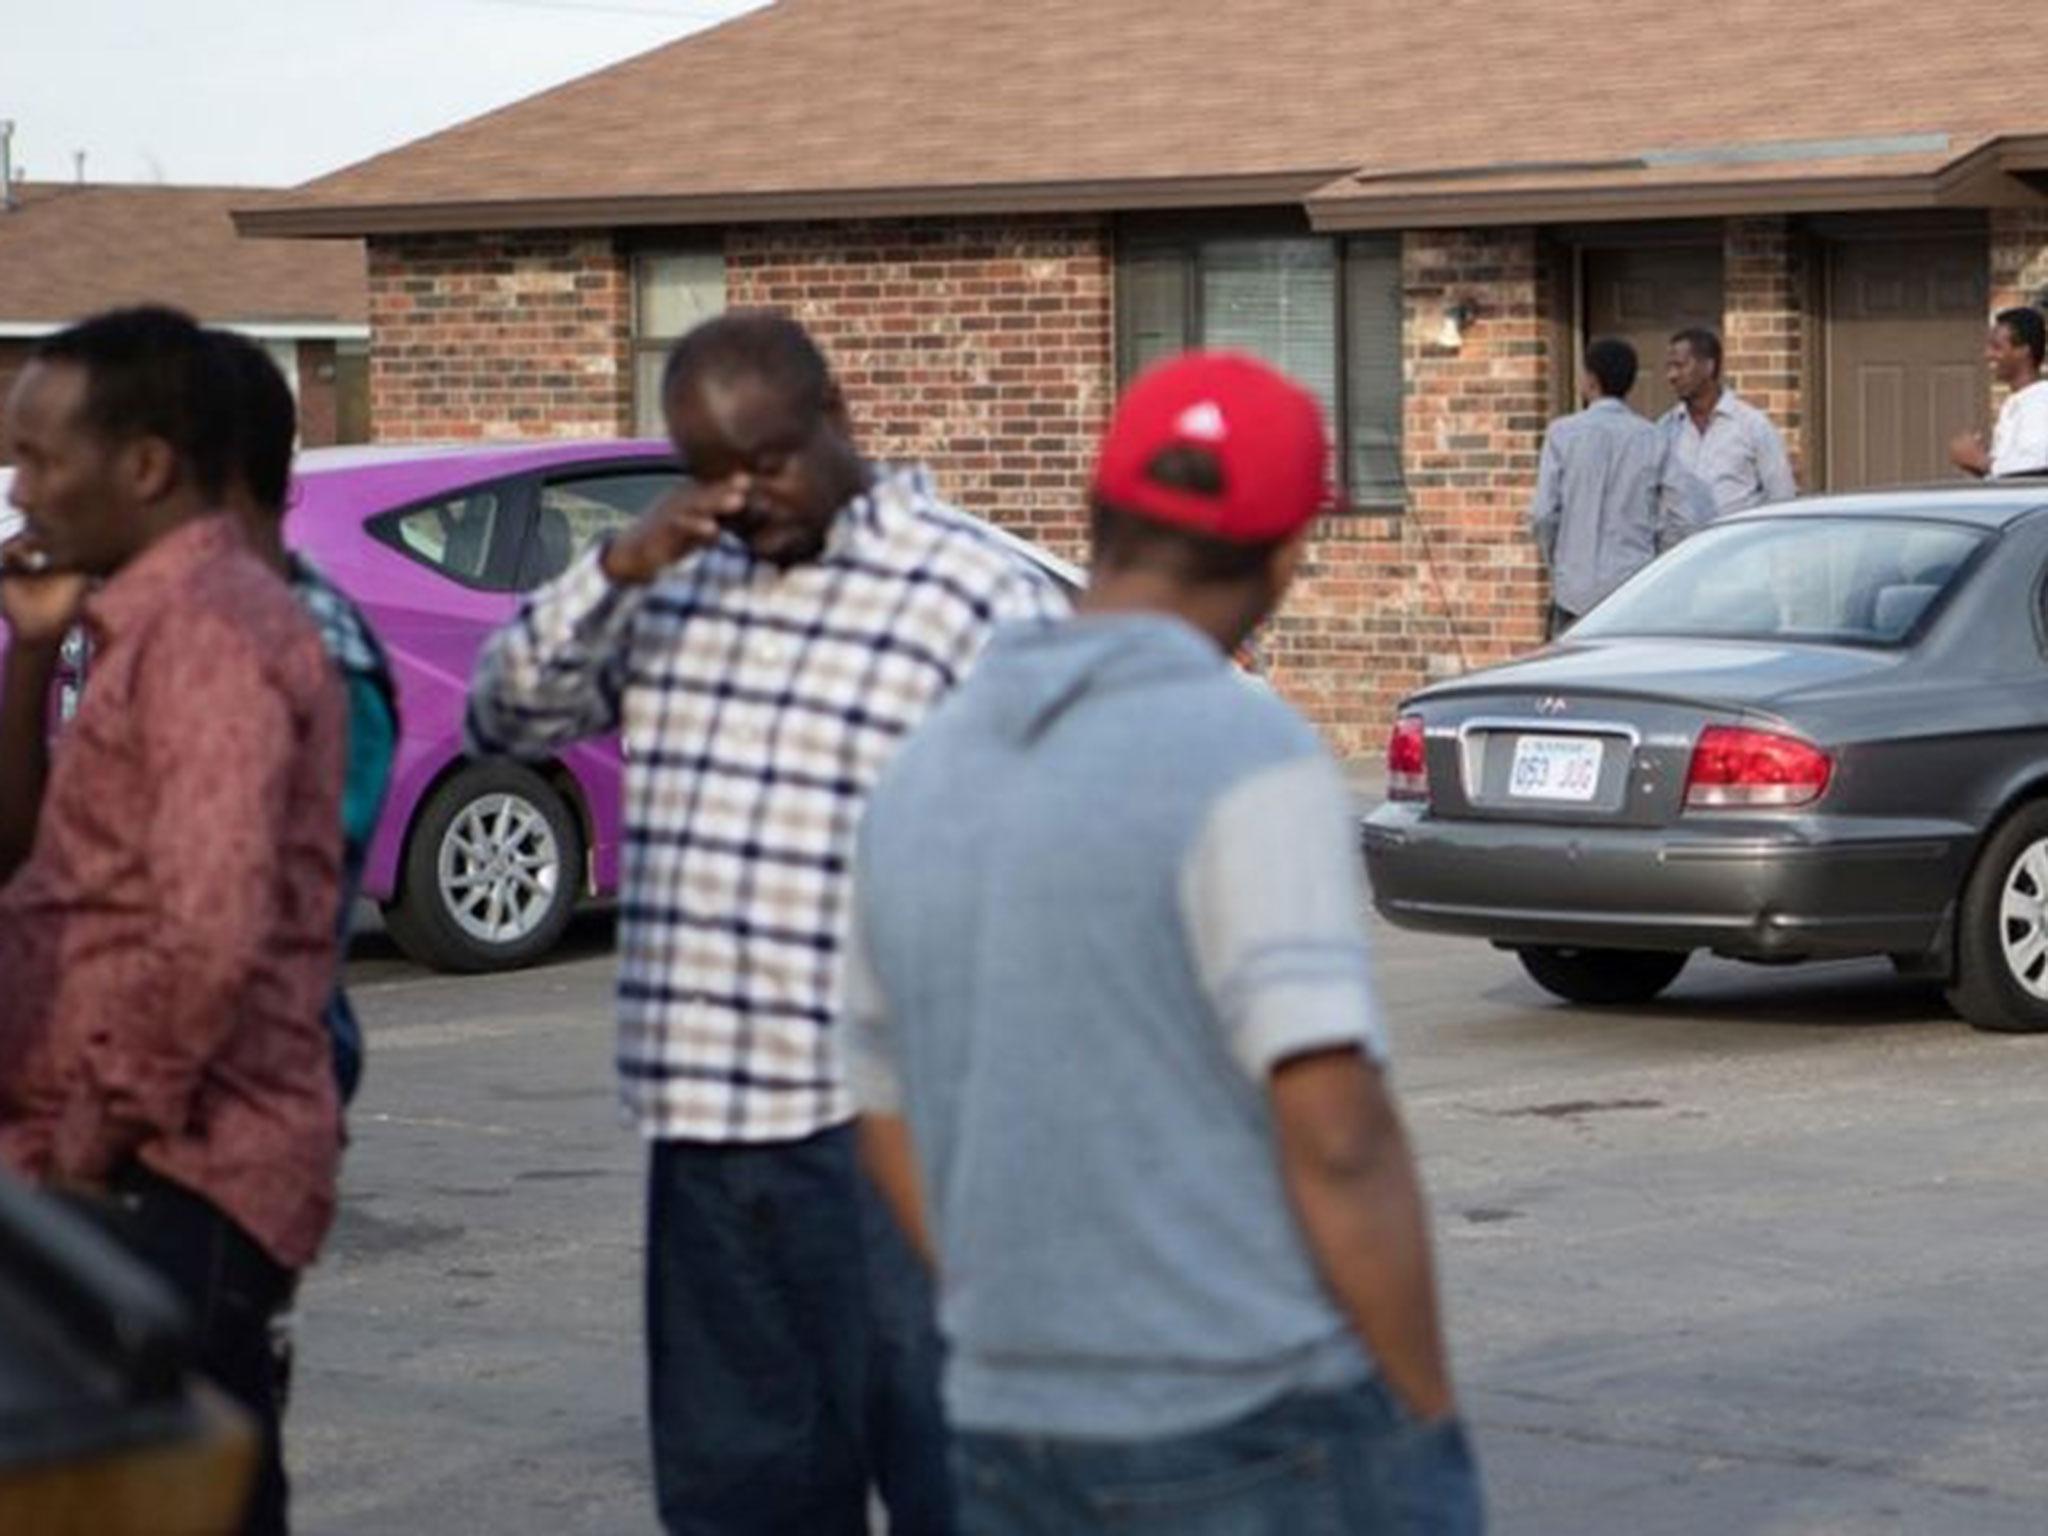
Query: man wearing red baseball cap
{"x":1111,"y":1025}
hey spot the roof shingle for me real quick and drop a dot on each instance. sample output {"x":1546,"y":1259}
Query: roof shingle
{"x":68,"y":251}
{"x":809,"y":103}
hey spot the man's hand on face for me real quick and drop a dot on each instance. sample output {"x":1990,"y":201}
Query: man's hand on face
{"x":680,"y":524}
{"x":40,"y":605}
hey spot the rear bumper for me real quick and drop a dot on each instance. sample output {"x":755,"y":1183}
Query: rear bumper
{"x":1750,"y":887}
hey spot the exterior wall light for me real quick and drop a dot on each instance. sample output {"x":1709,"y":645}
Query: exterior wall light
{"x":1458,"y":314}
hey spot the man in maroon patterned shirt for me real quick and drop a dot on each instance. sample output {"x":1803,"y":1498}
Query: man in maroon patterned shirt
{"x":167,"y":922}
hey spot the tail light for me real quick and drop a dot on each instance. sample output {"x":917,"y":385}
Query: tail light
{"x":1407,"y":761}
{"x":1736,"y":767}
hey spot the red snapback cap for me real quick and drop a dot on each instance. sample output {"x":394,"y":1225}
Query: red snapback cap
{"x":1262,"y":431}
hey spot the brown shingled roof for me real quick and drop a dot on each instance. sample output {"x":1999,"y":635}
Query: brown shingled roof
{"x":66,"y":251}
{"x":844,"y":106}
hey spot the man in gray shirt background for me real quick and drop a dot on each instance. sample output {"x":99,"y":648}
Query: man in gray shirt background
{"x":1723,"y":442}
{"x":1607,"y":501}
{"x":1112,"y":1031}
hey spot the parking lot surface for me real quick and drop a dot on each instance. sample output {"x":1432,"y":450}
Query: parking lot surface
{"x":1763,"y":1257}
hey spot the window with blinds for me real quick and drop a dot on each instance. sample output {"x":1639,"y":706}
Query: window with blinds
{"x":672,"y":292}
{"x":1326,"y":311}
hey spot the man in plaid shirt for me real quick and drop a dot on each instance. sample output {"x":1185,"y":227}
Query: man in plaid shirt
{"x":763,"y":641}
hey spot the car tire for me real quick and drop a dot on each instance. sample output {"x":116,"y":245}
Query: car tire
{"x":2002,"y":945}
{"x":1605,"y":978}
{"x":492,"y":871}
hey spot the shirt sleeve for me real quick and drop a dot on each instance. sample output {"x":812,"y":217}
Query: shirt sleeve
{"x":372,"y":743}
{"x":222,"y":744}
{"x":870,"y":1066}
{"x":554,"y":674}
{"x":1546,"y":508}
{"x":1773,"y":468}
{"x":1685,"y":504}
{"x":1274,"y":910}
{"x":1024,"y":595}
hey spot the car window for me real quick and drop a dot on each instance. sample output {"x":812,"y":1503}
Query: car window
{"x":1865,"y":581}
{"x":575,"y":513}
{"x":458,"y":536}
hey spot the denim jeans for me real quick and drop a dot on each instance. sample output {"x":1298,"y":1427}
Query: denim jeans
{"x":788,"y":1353}
{"x":907,"y":1438}
{"x":233,"y":1289}
{"x":1326,"y":1464}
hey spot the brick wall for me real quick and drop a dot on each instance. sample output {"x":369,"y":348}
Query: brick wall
{"x":499,"y":336}
{"x":1764,"y":326}
{"x":1453,"y":582}
{"x":981,"y":347}
{"x":2019,"y":257}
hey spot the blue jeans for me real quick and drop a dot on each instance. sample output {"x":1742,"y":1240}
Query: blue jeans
{"x":1327,"y":1464}
{"x":787,"y":1362}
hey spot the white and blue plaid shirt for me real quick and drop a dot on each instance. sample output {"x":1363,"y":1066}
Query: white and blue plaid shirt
{"x":757,"y":706}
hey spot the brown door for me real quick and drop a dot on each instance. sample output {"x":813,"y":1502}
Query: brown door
{"x":1905,"y":354}
{"x":1642,"y":294}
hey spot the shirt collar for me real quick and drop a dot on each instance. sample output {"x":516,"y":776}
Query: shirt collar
{"x":150,"y":580}
{"x":896,"y":489}
{"x":1726,"y":405}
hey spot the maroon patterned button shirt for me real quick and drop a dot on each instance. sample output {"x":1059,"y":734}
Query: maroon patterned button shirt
{"x":167,"y":948}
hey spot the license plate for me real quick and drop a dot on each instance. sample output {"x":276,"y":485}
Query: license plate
{"x":1555,"y":768}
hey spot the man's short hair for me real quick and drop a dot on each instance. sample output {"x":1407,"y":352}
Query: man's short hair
{"x":1613,"y":362}
{"x":755,"y":344}
{"x":150,"y":372}
{"x":264,"y":420}
{"x":2025,"y":325}
{"x":1704,"y":343}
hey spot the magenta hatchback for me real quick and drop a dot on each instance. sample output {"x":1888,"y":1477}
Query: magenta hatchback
{"x":477,"y":864}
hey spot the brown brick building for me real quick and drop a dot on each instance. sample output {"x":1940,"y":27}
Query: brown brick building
{"x":67,"y":251}
{"x":992,"y":213}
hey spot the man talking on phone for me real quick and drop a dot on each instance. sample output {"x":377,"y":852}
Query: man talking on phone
{"x":763,"y":640}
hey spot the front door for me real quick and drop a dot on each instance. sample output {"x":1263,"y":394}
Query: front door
{"x":1905,"y":356}
{"x":1644,"y":293}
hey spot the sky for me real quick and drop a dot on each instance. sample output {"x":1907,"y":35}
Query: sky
{"x":277,"y":92}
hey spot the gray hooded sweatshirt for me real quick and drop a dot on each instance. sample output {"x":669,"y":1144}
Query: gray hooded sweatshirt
{"x":1106,"y":888}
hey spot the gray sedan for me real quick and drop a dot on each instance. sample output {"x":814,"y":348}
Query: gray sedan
{"x":1813,"y":731}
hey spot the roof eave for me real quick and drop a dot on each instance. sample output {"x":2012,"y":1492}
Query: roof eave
{"x":334,"y":221}
{"x":1469,"y":208}
{"x":1988,"y":176}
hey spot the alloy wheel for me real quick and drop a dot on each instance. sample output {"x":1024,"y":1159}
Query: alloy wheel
{"x":499,"y":868}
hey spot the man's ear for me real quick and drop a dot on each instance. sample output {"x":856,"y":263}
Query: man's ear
{"x":836,"y":413}
{"x":150,"y":467}
{"x":1287,"y":561}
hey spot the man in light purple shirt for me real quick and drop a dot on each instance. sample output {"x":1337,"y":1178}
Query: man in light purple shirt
{"x":1725,"y":443}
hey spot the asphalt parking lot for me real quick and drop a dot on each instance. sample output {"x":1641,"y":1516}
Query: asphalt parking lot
{"x":1764,"y":1257}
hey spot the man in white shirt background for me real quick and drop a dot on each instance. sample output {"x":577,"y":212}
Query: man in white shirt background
{"x":2019,"y":442}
